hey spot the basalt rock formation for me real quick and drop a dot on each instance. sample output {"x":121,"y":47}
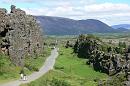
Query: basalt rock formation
{"x":103,"y":57}
{"x":20,"y":35}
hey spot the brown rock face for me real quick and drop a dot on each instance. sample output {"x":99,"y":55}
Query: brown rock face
{"x":20,"y":35}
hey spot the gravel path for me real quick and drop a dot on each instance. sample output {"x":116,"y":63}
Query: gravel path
{"x":48,"y":65}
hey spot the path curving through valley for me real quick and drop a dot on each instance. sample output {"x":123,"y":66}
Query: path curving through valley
{"x":48,"y":65}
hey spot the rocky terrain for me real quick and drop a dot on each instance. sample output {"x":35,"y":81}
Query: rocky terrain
{"x":113,"y":60}
{"x":20,"y":35}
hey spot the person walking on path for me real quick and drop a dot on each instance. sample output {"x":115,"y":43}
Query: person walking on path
{"x":25,"y":77}
{"x":22,"y":74}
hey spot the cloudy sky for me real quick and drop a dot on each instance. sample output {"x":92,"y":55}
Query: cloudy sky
{"x":109,"y":11}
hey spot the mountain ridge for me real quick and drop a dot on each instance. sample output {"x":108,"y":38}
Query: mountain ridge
{"x":65,"y":26}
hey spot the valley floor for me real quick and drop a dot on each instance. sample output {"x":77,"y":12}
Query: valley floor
{"x":12,"y":72}
{"x":49,"y":63}
{"x":69,"y":71}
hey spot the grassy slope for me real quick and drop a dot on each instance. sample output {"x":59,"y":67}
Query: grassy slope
{"x":38,"y":62}
{"x":71,"y":69}
{"x":12,"y":72}
{"x":8,"y":71}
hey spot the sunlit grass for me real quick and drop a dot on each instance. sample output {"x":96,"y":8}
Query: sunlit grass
{"x":71,"y":64}
{"x":72,"y":69}
{"x":12,"y":72}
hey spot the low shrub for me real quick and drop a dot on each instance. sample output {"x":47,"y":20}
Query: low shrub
{"x":58,"y":82}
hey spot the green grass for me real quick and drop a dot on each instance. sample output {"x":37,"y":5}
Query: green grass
{"x":8,"y":71}
{"x":44,"y":80}
{"x":71,"y":69}
{"x":12,"y":72}
{"x":70,"y":64}
{"x":113,"y":35}
{"x":11,"y":75}
{"x":71,"y":79}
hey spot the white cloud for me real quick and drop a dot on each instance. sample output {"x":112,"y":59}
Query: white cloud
{"x":80,"y":9}
{"x":107,"y":7}
{"x":108,"y":12}
{"x":16,"y":1}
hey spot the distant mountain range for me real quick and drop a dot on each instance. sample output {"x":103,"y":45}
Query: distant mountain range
{"x":66,"y":26}
{"x":121,"y":29}
{"x":127,"y":26}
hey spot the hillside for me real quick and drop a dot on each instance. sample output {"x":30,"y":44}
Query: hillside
{"x":65,"y":26}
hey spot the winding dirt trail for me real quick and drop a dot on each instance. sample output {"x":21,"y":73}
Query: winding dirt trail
{"x":48,"y":65}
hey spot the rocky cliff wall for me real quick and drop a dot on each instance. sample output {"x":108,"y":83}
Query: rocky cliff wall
{"x":20,"y":35}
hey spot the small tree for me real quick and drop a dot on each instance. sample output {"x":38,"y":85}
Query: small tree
{"x":122,"y":44}
{"x":67,"y":44}
{"x":76,"y":47}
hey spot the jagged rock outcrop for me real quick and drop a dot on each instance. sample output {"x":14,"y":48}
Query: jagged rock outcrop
{"x":20,"y":35}
{"x":109,"y":63}
{"x":104,"y":57}
{"x":101,"y":56}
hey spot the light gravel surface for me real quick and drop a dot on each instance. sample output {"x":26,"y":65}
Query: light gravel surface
{"x":48,"y":65}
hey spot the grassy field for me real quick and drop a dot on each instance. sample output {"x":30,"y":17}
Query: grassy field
{"x":115,"y":38}
{"x":106,"y":37}
{"x":12,"y":72}
{"x":71,"y":64}
{"x":70,"y":69}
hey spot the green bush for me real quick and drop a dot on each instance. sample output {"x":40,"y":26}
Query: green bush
{"x":4,"y":63}
{"x":57,"y":67}
{"x":31,"y":67}
{"x":116,"y":80}
{"x":58,"y":82}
